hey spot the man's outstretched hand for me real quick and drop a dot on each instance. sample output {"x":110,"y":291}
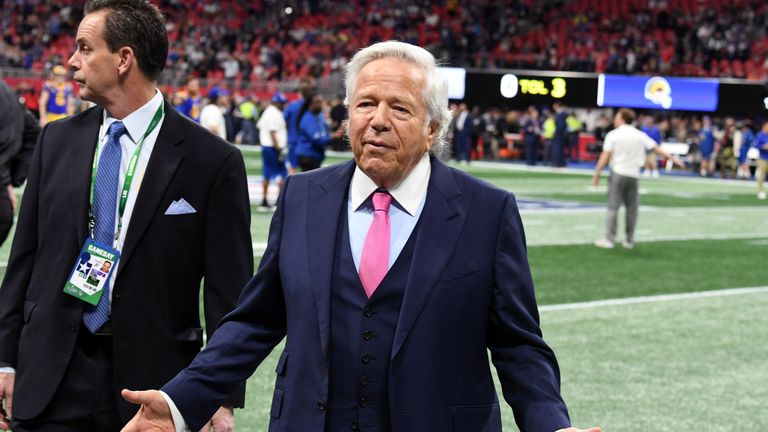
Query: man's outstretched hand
{"x":154,"y":414}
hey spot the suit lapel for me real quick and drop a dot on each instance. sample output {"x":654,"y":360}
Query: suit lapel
{"x":325,"y":204}
{"x":165,"y":159}
{"x":440,"y":224}
{"x":82,"y":144}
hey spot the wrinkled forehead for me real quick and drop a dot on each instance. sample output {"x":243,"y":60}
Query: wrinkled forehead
{"x":391,"y":69}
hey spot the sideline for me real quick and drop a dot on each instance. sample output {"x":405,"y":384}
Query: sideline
{"x":652,"y":299}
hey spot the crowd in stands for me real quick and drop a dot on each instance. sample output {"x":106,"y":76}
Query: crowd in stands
{"x":231,"y":44}
{"x":261,"y":41}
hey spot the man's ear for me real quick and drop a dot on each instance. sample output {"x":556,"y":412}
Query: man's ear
{"x":432,"y":135}
{"x":127,"y":60}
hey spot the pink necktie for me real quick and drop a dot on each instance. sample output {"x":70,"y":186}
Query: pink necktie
{"x":374,"y":261}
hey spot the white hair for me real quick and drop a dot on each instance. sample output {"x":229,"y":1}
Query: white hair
{"x":436,"y":87}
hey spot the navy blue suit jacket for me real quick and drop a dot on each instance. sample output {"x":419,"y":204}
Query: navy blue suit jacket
{"x":156,"y":297}
{"x":469,"y":291}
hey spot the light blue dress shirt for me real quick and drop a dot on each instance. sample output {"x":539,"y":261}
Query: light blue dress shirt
{"x":408,"y":202}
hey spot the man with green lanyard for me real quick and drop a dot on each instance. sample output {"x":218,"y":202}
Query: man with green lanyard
{"x":129,"y":208}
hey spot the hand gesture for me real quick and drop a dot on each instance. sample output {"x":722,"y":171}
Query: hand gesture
{"x":6,"y":396}
{"x":222,"y":421}
{"x":154,"y":415}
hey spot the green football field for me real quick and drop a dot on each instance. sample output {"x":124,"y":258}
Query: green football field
{"x":669,"y":336}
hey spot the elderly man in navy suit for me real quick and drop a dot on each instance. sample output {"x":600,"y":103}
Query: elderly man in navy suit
{"x":391,"y":277}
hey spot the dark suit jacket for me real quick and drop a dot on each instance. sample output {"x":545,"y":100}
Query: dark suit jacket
{"x":469,"y":290}
{"x":155,"y":302}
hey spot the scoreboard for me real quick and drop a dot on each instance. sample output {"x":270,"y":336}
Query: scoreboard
{"x":518,"y":89}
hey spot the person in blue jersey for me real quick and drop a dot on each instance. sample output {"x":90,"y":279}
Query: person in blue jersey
{"x":706,"y":146}
{"x":56,"y":97}
{"x":746,"y":142}
{"x":291,"y":113}
{"x":188,"y":101}
{"x":761,"y":142}
{"x":651,"y":167}
{"x":313,"y":134}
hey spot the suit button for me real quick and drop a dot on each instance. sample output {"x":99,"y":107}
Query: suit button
{"x":72,"y":326}
{"x":368,"y":312}
{"x":366,"y":358}
{"x":355,"y":425}
{"x":364,"y":380}
{"x":321,"y":404}
{"x":364,"y":402}
{"x":368,"y":335}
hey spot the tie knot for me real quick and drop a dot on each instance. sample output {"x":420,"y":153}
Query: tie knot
{"x":381,"y":201}
{"x":116,"y":130}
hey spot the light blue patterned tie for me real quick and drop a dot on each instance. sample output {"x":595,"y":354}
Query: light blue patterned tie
{"x":104,"y":204}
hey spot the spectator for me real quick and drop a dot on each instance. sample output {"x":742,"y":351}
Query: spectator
{"x":292,"y":119}
{"x":248,"y":114}
{"x":462,"y":134}
{"x":338,"y":117}
{"x":560,"y":138}
{"x":212,"y":114}
{"x":706,"y":141}
{"x":532,"y":135}
{"x":743,"y":142}
{"x":726,"y":157}
{"x":313,"y":134}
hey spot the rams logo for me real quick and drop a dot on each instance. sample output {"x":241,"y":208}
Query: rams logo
{"x":658,"y":91}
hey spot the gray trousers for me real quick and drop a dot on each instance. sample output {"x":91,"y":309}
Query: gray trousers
{"x":622,"y":189}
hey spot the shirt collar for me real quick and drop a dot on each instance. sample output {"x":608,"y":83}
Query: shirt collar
{"x":136,"y":123}
{"x":408,"y":194}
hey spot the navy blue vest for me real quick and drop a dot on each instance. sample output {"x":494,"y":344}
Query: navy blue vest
{"x":362,"y":331}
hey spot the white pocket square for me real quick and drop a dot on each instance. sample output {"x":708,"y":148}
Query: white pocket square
{"x":180,"y":207}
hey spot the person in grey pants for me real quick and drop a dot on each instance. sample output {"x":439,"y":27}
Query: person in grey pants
{"x":624,"y":149}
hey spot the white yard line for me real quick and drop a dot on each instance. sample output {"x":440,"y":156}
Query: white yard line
{"x":589,"y":172}
{"x":652,"y":298}
{"x":644,"y":239}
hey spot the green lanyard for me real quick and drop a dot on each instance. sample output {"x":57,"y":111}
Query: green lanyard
{"x":128,"y":176}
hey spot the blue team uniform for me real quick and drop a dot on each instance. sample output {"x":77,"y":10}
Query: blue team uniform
{"x":313,"y":136}
{"x":290,"y":113}
{"x":761,"y":140}
{"x":707,"y":142}
{"x":748,"y":138}
{"x":654,"y":132}
{"x":58,"y":99}
{"x":190,"y":106}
